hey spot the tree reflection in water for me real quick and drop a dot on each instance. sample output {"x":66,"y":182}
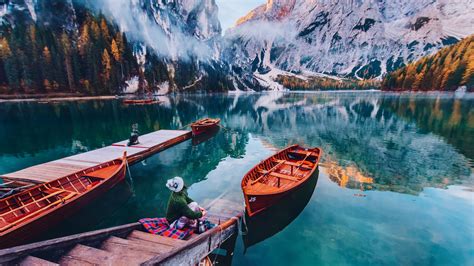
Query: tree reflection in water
{"x":402,"y":142}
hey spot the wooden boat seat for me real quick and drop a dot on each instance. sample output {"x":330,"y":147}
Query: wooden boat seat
{"x":103,"y":173}
{"x":305,"y":165}
{"x":13,"y":223}
{"x":304,"y":153}
{"x":52,"y":190}
{"x":261,"y":187}
{"x":279,"y":175}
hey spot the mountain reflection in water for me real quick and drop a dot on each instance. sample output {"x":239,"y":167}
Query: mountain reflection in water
{"x":400,"y":143}
{"x":409,"y":144}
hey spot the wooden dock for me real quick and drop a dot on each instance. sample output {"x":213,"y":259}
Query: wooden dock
{"x":149,"y":144}
{"x":130,"y":245}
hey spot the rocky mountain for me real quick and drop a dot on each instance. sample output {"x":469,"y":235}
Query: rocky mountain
{"x":179,"y":46}
{"x":353,"y":38}
{"x":176,"y":43}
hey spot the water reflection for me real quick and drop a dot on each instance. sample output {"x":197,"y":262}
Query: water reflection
{"x":410,"y":144}
{"x":277,"y":217}
{"x":402,"y":142}
{"x":348,"y":177}
{"x":196,"y":140}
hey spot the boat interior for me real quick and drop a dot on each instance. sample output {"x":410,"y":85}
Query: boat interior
{"x":32,"y":202}
{"x":282,"y":171}
{"x":206,"y":121}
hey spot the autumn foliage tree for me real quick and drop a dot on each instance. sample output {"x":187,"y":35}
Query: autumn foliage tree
{"x":446,"y":70}
{"x":39,"y":58}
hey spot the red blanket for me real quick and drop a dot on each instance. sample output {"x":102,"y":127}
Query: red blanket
{"x":160,"y":226}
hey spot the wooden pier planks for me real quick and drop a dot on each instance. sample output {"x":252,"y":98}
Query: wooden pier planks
{"x":128,"y":245}
{"x":149,"y":144}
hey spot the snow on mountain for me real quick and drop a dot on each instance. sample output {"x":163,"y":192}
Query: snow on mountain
{"x":58,"y":14}
{"x":359,"y":38}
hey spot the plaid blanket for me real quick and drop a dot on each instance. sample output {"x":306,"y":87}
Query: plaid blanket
{"x":160,"y":226}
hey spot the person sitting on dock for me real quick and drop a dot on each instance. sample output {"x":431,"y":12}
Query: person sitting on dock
{"x":182,"y":210}
{"x":133,"y":140}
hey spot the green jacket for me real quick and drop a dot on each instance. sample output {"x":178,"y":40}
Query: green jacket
{"x":178,"y":206}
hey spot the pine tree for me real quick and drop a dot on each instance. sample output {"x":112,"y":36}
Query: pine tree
{"x":104,"y":28}
{"x":417,"y":84}
{"x":66,"y":46}
{"x":5,"y":50}
{"x":115,"y":51}
{"x":47,"y":55}
{"x":106,"y":66}
{"x":446,"y":70}
{"x":95,"y":30}
{"x":468,"y":77}
{"x":84,"y":40}
{"x":120,"y":42}
{"x":46,"y":63}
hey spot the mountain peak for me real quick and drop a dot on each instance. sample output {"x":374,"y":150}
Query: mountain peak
{"x":272,"y":10}
{"x":359,"y":38}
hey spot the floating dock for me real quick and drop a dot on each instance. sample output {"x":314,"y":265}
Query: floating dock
{"x":130,"y":245}
{"x":149,"y":144}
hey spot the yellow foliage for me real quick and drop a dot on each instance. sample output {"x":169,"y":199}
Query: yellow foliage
{"x":5,"y":50}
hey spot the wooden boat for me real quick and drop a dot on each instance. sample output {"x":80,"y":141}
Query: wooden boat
{"x":131,"y":244}
{"x":275,"y":177}
{"x":10,"y":187}
{"x":138,"y":102}
{"x":281,"y":214}
{"x":30,"y":213}
{"x":204,"y":125}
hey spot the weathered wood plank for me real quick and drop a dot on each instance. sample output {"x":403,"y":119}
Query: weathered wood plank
{"x":125,"y":249}
{"x":157,"y":239}
{"x":155,"y":247}
{"x":66,"y":242}
{"x":150,"y":143}
{"x":86,"y":254}
{"x":34,"y":261}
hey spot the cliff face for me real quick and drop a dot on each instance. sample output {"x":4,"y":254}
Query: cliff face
{"x":361,"y":39}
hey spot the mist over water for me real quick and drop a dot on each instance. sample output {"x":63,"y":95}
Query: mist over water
{"x":395,"y":185}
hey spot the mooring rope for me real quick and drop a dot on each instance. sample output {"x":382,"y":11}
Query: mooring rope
{"x":130,"y":176}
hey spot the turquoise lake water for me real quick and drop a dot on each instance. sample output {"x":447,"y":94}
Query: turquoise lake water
{"x":395,"y":185}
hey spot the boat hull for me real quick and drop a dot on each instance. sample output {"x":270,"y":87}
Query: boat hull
{"x":278,"y":176}
{"x":201,"y":129}
{"x":256,"y":203}
{"x":36,"y":228}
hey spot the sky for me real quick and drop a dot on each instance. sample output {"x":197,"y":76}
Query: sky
{"x":231,"y":10}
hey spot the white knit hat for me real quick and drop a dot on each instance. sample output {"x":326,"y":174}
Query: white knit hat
{"x":175,"y":184}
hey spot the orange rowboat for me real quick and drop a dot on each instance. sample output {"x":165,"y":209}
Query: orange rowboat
{"x":204,"y":125}
{"x":275,"y":177}
{"x":30,"y":213}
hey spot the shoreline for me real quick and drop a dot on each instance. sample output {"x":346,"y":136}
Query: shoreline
{"x":44,"y":98}
{"x":53,"y":98}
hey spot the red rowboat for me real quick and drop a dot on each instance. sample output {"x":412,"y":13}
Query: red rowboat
{"x":30,"y":213}
{"x":275,"y":177}
{"x":204,"y":125}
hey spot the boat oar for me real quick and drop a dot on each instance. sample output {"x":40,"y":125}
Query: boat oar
{"x":268,"y":172}
{"x":6,"y":184}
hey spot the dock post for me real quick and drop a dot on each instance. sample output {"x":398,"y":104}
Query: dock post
{"x":229,"y":247}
